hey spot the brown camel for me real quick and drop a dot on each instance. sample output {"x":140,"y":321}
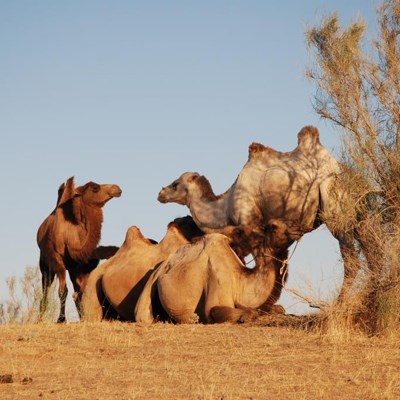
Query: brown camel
{"x":206,"y":281}
{"x":119,"y":281}
{"x":94,"y":305}
{"x":294,"y":187}
{"x":69,"y":236}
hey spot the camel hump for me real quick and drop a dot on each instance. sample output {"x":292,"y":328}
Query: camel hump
{"x":173,"y":227}
{"x":174,"y":233}
{"x":308,"y":137}
{"x":257,"y":149}
{"x":133,"y":233}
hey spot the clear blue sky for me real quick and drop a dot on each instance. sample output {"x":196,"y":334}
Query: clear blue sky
{"x":137,"y":92}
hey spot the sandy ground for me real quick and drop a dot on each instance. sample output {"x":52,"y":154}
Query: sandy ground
{"x":165,"y":361}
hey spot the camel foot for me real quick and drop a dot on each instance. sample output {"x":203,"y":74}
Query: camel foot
{"x":277,"y":309}
{"x":191,"y":319}
{"x":61,"y":320}
{"x":272,"y":309}
{"x":221,"y":314}
{"x":248,"y":315}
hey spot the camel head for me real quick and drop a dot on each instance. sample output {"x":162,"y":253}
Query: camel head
{"x":188,"y":227}
{"x":277,"y":235}
{"x":91,"y":193}
{"x":248,"y":239}
{"x":177,"y":191}
{"x":97,"y":195}
{"x":243,"y":239}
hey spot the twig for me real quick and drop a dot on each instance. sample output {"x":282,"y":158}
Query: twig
{"x":309,"y":301}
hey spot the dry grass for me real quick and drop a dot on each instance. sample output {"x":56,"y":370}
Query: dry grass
{"x":165,"y":361}
{"x":357,"y":90}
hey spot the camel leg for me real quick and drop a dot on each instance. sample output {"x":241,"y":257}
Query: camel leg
{"x":220,"y":314}
{"x":79,"y":283}
{"x":94,"y":305}
{"x":47,"y":279}
{"x":77,"y":296}
{"x":62,"y":293}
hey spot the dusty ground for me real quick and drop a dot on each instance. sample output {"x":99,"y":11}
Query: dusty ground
{"x":165,"y":361}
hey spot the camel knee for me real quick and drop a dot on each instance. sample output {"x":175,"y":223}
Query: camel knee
{"x":185,"y":317}
{"x":63,"y":293}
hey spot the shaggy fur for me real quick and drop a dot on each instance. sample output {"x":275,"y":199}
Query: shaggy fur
{"x":69,"y":236}
{"x":292,"y":187}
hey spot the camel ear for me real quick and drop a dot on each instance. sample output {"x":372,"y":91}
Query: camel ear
{"x":79,"y":191}
{"x":60,"y":193}
{"x":275,"y":226}
{"x":66,"y":191}
{"x":193,"y":177}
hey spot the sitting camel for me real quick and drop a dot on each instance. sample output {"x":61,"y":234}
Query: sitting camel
{"x":292,"y":187}
{"x":206,"y":281}
{"x":119,"y":281}
{"x":69,"y":236}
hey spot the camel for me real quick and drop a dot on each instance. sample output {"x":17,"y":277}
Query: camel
{"x":293,"y":187}
{"x":69,"y":236}
{"x":206,"y":281}
{"x":94,"y":305}
{"x":119,"y":281}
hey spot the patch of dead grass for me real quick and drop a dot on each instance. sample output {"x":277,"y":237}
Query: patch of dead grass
{"x":166,"y":361}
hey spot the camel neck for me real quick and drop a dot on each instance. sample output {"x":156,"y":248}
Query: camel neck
{"x":89,"y":225}
{"x":259,"y":282}
{"x":210,"y":214}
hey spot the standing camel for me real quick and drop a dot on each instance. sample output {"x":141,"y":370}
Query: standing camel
{"x":69,"y":236}
{"x":293,"y":187}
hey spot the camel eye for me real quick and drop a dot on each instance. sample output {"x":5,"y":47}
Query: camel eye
{"x":95,"y":188}
{"x":174,"y":185}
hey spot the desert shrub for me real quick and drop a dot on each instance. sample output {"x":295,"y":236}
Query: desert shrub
{"x":24,"y":295}
{"x":358,"y":90}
